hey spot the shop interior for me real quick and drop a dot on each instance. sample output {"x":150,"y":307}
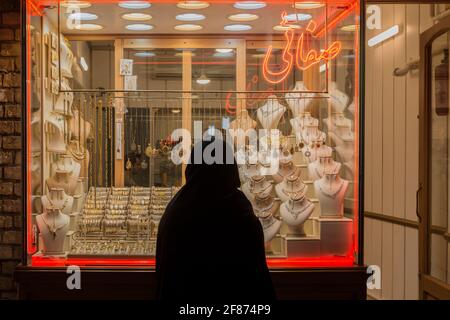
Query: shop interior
{"x":110,"y":81}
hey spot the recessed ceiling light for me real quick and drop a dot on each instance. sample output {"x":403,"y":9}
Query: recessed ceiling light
{"x":243,"y":17}
{"x":238,"y":27}
{"x":144,"y":54}
{"x":139,"y":27}
{"x":83,"y":16}
{"x":76,"y":4}
{"x":286,"y":27}
{"x":190,"y":17}
{"x":249,"y":5}
{"x":134,"y":4}
{"x":349,"y":28}
{"x":88,"y":27}
{"x":203,"y":80}
{"x":136,"y":16}
{"x":223,"y":54}
{"x":226,"y":50}
{"x":308,"y":5}
{"x":193,"y":5}
{"x":298,"y":17}
{"x":188,"y":27}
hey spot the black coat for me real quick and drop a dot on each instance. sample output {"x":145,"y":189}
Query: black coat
{"x":210,"y":245}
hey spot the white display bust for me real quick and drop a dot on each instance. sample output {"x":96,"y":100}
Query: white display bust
{"x":58,"y":199}
{"x":66,"y":174}
{"x":286,"y":168}
{"x":290,"y":187}
{"x":257,"y":186}
{"x":338,"y":99}
{"x":295,"y":212}
{"x":298,"y":99}
{"x":269,"y":115}
{"x":243,"y":121}
{"x":321,"y":166}
{"x":264,"y":209}
{"x":336,"y":120}
{"x":53,"y":227}
{"x":330,"y":190}
{"x":251,"y":170}
{"x":303,"y":120}
{"x":55,"y":133}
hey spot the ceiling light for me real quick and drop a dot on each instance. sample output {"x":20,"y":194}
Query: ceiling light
{"x":188,"y":27}
{"x":175,"y":110}
{"x":389,"y":33}
{"x":258,"y":55}
{"x":88,"y":27}
{"x":139,"y":27}
{"x":136,"y":16}
{"x":238,"y":27}
{"x":349,"y":28}
{"x":243,"y":17}
{"x":82,"y":16}
{"x":307,"y":5}
{"x":190,"y":17}
{"x":249,"y":5}
{"x":193,"y":5}
{"x":134,"y":4}
{"x":224,"y":50}
{"x":83,"y":64}
{"x":286,"y":27}
{"x":298,"y":17}
{"x":144,"y":54}
{"x":76,"y":4}
{"x":180,"y":54}
{"x":223,"y":54}
{"x":203,"y":80}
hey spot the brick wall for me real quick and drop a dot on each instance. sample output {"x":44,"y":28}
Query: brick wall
{"x":10,"y":146}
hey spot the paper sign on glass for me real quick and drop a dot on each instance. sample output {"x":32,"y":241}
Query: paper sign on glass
{"x":126,"y":67}
{"x":130,"y":83}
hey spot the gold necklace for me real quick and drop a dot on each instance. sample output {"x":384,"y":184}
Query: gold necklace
{"x":55,"y":228}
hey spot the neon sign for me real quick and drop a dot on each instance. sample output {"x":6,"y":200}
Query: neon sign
{"x":304,"y":58}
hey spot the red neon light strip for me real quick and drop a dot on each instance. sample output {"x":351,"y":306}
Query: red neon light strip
{"x":271,"y":262}
{"x":30,"y":248}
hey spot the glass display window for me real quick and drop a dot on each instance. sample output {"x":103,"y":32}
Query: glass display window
{"x":111,"y":82}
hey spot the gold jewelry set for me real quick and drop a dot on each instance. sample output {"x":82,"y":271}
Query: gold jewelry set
{"x":126,"y":213}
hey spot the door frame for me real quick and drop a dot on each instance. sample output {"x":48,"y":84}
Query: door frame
{"x":428,"y":285}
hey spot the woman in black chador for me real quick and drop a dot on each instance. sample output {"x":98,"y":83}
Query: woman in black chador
{"x":210,"y":244}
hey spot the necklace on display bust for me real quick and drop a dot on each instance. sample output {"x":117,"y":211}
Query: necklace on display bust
{"x":325,"y":165}
{"x":293,"y":185}
{"x":259,"y":184}
{"x":263,"y":206}
{"x":53,"y":228}
{"x":270,"y":114}
{"x":297,"y":206}
{"x":332,"y":190}
{"x":76,"y":150}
